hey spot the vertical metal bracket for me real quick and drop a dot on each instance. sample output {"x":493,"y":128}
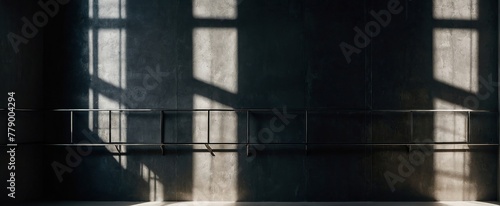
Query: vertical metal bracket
{"x":162,"y":147}
{"x":248,"y":152}
{"x":161,"y":127}
{"x":468,"y":127}
{"x":411,"y":126}
{"x":307,"y":134}
{"x":208,"y":127}
{"x":411,"y":131}
{"x":109,"y":126}
{"x":248,"y":134}
{"x":71,"y":127}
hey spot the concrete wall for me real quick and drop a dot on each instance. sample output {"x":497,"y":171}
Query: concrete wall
{"x":273,"y":54}
{"x":21,"y":73}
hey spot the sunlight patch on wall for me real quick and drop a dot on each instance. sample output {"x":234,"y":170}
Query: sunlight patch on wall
{"x":108,"y":9}
{"x":215,"y":63}
{"x":156,"y":187}
{"x":450,"y":126}
{"x":456,"y":58}
{"x":90,"y":114}
{"x":452,"y":173}
{"x":215,"y":57}
{"x":111,"y":52}
{"x":215,"y":178}
{"x":91,"y":52}
{"x":456,"y":10}
{"x":222,"y":123}
{"x":455,"y":55}
{"x":215,"y":9}
{"x":107,"y":70}
{"x":110,"y":69}
{"x":118,"y":131}
{"x":91,"y":9}
{"x":452,"y":164}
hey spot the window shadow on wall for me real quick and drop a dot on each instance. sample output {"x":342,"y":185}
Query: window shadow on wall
{"x":287,"y":54}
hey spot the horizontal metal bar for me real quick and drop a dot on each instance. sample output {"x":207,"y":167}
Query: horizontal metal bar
{"x":259,"y":110}
{"x":222,"y":143}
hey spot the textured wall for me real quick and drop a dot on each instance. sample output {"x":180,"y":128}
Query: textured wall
{"x":21,"y":72}
{"x":273,"y":54}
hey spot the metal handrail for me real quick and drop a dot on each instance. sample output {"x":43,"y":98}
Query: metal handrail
{"x":259,"y":110}
{"x":307,"y":142}
{"x":270,"y":143}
